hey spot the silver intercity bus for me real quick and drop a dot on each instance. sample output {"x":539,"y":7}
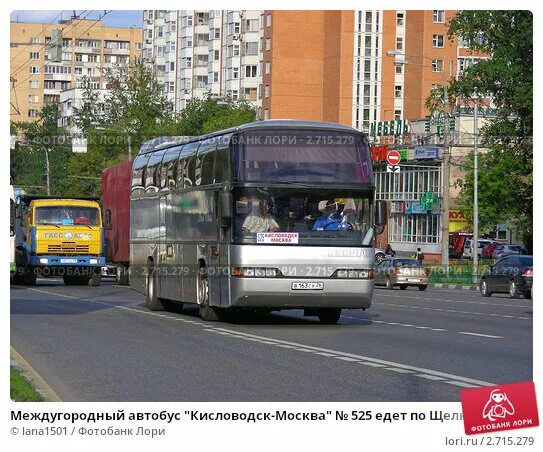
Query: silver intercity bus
{"x":265,"y":216}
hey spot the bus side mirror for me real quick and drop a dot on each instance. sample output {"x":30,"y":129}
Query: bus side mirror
{"x":380,"y":216}
{"x":226,"y":201}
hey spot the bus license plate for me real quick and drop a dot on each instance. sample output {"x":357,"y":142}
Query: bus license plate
{"x":307,"y":286}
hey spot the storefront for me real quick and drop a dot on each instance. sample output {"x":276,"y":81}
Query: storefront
{"x":413,"y":198}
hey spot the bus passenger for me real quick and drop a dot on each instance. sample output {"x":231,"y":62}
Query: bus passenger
{"x":260,"y":222}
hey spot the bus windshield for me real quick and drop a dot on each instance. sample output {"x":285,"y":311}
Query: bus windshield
{"x":67,"y":215}
{"x":302,"y":156}
{"x":308,"y":216}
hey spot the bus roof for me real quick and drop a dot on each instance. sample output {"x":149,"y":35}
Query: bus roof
{"x":166,"y":142}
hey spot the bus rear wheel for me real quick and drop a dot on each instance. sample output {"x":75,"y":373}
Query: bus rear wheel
{"x":329,"y":316}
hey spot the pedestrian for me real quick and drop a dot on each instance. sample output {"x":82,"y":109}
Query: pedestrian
{"x":419,"y":256}
{"x":389,"y":251}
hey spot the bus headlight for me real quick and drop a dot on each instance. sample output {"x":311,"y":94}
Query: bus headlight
{"x":255,"y":272}
{"x":349,"y":273}
{"x":44,"y":260}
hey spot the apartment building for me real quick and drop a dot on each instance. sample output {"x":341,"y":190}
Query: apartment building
{"x":160,"y":47}
{"x":46,"y":59}
{"x":357,"y":67}
{"x":197,"y":52}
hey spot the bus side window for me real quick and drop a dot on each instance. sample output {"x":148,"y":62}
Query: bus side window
{"x":222,"y":164}
{"x":190,"y":171}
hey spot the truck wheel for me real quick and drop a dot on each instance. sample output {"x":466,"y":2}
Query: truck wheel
{"x":70,"y":280}
{"x":95,"y":279}
{"x":122,"y":275}
{"x":29,"y":275}
{"x":18,"y":276}
{"x":151,"y":299}
{"x":329,"y":316}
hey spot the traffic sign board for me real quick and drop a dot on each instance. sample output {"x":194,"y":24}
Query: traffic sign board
{"x":393,"y":158}
{"x":393,"y":169}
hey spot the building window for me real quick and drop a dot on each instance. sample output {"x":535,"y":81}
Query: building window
{"x":268,"y":20}
{"x":266,"y":114}
{"x":251,"y":25}
{"x":34,"y":55}
{"x":399,"y":69}
{"x":251,"y":48}
{"x":434,"y":86}
{"x":235,"y":72}
{"x":217,"y":33}
{"x":34,"y":70}
{"x":34,"y":40}
{"x":439,"y":16}
{"x":236,"y":49}
{"x":267,"y":91}
{"x":437,"y":41}
{"x":399,"y":19}
{"x":215,"y":77}
{"x":32,"y":113}
{"x":160,"y":32}
{"x":398,"y":91}
{"x":171,"y":87}
{"x":34,"y":84}
{"x":437,"y":65}
{"x":249,"y":93}
{"x":172,"y":66}
{"x":66,"y":56}
{"x":268,"y":43}
{"x":268,"y":67}
{"x":188,"y":63}
{"x":216,"y":55}
{"x":397,"y":115}
{"x":250,"y":71}
{"x":33,"y":98}
{"x":399,"y":43}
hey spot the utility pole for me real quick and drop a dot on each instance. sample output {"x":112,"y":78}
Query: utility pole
{"x":47,"y":171}
{"x":446,"y":177}
{"x":475,"y":197}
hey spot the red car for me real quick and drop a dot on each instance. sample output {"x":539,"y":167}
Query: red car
{"x":488,"y":250}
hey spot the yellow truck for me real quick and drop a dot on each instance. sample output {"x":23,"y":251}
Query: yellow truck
{"x":58,"y":237}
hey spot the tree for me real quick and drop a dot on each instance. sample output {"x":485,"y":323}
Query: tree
{"x":505,"y":175}
{"x":28,"y":159}
{"x":210,"y":114}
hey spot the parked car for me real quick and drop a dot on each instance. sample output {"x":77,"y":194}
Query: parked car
{"x":380,"y":254}
{"x":468,"y":247}
{"x":402,"y":272}
{"x":506,"y":250}
{"x":513,"y":274}
{"x":488,"y":249}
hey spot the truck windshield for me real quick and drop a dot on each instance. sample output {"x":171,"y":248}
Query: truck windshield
{"x":67,"y":215}
{"x":310,"y":156}
{"x":303,"y":216}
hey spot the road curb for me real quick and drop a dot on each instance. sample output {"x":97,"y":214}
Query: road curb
{"x":453,"y":286}
{"x":35,"y":379}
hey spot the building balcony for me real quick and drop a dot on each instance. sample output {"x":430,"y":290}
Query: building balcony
{"x":59,"y":77}
{"x":79,"y":49}
{"x":51,"y":91}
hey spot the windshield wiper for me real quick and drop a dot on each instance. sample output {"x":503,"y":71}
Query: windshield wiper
{"x":296,"y":184}
{"x":48,"y":224}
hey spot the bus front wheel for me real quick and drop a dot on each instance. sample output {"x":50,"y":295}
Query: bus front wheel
{"x":151,"y":298}
{"x":329,"y":316}
{"x":207,"y":312}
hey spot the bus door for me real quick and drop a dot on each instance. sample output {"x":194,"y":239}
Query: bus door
{"x":218,"y":280}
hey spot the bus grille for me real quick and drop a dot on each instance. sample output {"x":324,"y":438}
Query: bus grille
{"x":67,"y":248}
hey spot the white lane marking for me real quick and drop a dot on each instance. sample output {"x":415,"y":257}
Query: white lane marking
{"x":364,"y":360}
{"x":461,"y":384}
{"x":401,"y":371}
{"x":460,"y":301}
{"x":394,"y":323}
{"x":481,"y":335}
{"x":456,"y":312}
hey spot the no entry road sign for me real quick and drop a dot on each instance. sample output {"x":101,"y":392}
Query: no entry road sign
{"x":393,"y":158}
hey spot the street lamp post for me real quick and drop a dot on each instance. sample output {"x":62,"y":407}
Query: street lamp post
{"x":445,"y":164}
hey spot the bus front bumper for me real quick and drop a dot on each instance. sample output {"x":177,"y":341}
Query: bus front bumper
{"x":279,"y":293}
{"x":67,"y":261}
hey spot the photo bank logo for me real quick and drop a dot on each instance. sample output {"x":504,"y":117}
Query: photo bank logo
{"x":496,"y":408}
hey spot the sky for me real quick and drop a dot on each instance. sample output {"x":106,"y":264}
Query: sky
{"x":116,"y":18}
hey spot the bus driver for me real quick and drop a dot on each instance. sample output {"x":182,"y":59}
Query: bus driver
{"x":260,"y":222}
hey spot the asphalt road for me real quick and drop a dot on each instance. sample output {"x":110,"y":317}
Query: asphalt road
{"x":102,"y":344}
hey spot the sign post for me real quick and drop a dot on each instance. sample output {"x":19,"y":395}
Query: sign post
{"x":393,"y":160}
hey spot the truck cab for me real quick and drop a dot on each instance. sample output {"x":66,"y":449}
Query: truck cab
{"x":59,"y":237}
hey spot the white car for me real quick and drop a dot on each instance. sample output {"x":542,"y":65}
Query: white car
{"x":468,"y":247}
